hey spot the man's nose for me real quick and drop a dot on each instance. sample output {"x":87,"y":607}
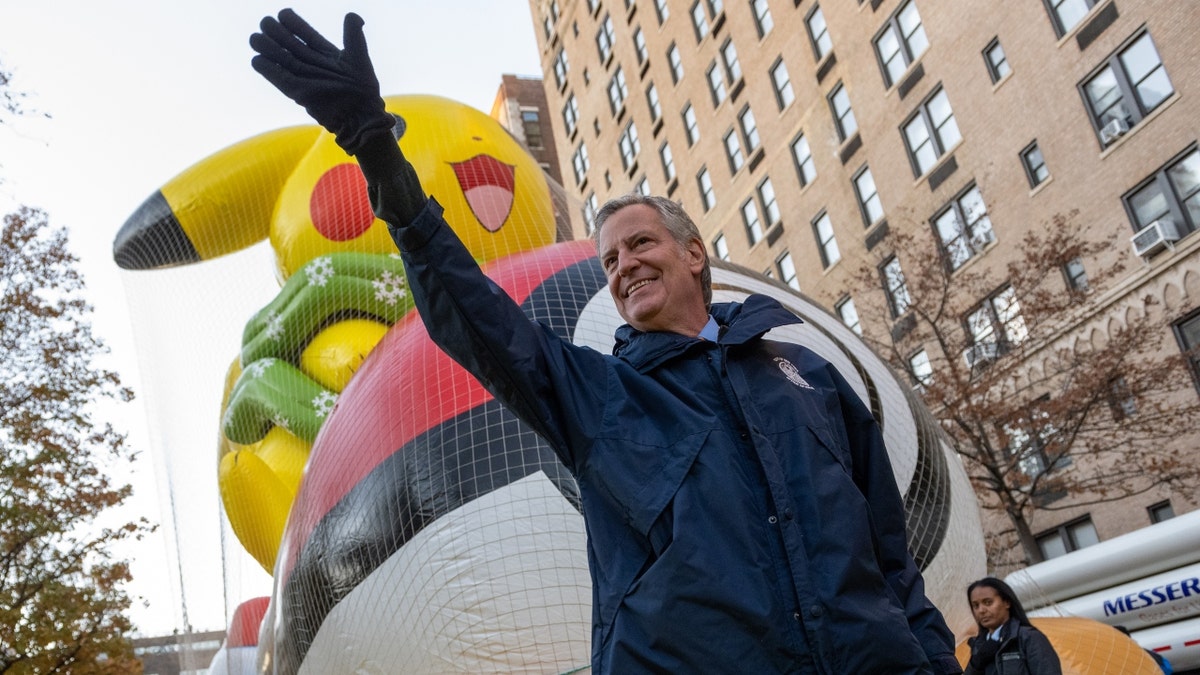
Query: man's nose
{"x":626,"y":263}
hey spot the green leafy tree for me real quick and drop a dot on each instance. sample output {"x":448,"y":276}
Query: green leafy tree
{"x":62,"y":602}
{"x":1055,"y":397}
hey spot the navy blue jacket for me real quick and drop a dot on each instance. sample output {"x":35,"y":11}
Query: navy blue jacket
{"x":742,"y":514}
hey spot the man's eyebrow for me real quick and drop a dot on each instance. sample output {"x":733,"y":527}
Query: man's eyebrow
{"x":641,"y":232}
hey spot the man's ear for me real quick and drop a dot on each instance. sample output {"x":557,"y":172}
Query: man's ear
{"x":696,"y":255}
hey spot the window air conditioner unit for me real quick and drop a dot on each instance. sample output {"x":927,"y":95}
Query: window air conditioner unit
{"x":1156,"y":236}
{"x":1115,"y":129}
{"x":980,"y":353}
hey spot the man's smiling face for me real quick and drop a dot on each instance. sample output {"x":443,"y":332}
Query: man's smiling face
{"x":654,"y":281}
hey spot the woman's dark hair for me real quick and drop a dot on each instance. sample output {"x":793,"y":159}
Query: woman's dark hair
{"x":1015,"y":610}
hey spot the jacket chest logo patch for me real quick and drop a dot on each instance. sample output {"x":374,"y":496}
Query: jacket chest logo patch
{"x":791,"y":373}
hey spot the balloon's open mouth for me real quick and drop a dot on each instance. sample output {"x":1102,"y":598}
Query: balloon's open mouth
{"x":488,"y":185}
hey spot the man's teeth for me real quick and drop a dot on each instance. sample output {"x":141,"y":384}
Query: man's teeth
{"x":636,"y":286}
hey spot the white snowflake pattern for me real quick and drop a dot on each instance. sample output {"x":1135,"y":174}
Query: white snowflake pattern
{"x":323,"y":403}
{"x":389,"y":288}
{"x":274,"y":329}
{"x":282,"y":422}
{"x":259,"y":367}
{"x":319,"y":271}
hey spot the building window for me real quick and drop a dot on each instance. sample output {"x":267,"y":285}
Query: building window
{"x":1121,"y":399}
{"x":716,"y":84}
{"x":1066,"y":14}
{"x":1160,"y":511}
{"x":1129,"y":85}
{"x":547,"y":27}
{"x":849,"y":314}
{"x":1187,"y":332}
{"x":868,"y":196}
{"x":997,"y":63}
{"x":668,"y":162}
{"x":766,"y":194}
{"x":643,"y":186}
{"x":900,"y":42}
{"x":787,"y":270}
{"x":802,"y":155}
{"x":639,"y":46}
{"x":661,"y":9}
{"x":690,"y":125}
{"x":931,"y":132}
{"x":531,"y":125}
{"x":570,"y":114}
{"x":826,"y":242}
{"x":721,"y":247}
{"x":818,"y":33}
{"x":729,"y":56}
{"x":754,"y":228}
{"x":1035,"y":165}
{"x":560,"y":68}
{"x":1069,"y":537}
{"x":590,"y":207}
{"x":707,"y":197}
{"x":617,"y":91}
{"x":996,"y":325}
{"x":580,"y":162}
{"x":605,"y":38}
{"x":843,"y":115}
{"x":653,"y":102}
{"x":699,"y":21}
{"x":1076,"y":276}
{"x":733,"y":151}
{"x":749,"y":129}
{"x":1171,"y":196}
{"x":964,"y":227}
{"x":715,"y":7}
{"x":629,"y":145}
{"x":676,"y":63}
{"x":783,"y":84}
{"x":920,"y":369}
{"x":762,"y":17}
{"x":894,"y":286}
{"x":1030,"y":434}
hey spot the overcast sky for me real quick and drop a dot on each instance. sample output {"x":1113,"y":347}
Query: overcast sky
{"x":137,"y":91}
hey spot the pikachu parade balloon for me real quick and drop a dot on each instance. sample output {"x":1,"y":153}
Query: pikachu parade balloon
{"x":343,"y":284}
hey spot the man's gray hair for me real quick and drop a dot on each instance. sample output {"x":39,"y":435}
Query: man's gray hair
{"x":673,"y":217}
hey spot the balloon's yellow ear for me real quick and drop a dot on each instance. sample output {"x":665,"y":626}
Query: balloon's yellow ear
{"x":219,"y":205}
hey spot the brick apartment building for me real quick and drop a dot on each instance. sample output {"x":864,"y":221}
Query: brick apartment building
{"x":797,"y":133}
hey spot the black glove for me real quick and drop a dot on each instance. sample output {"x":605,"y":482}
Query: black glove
{"x":337,"y":87}
{"x":983,"y":652}
{"x":339,"y":90}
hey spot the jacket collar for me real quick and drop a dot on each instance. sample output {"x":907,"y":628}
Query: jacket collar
{"x":740,"y":322}
{"x":1007,"y":632}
